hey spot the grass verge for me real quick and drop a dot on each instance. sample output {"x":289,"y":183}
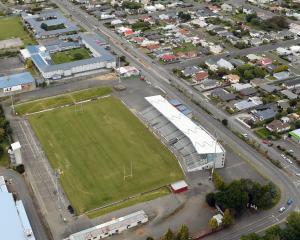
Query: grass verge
{"x":60,"y":100}
{"x":141,"y":198}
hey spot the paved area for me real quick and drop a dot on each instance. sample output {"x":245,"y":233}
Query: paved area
{"x":11,"y":65}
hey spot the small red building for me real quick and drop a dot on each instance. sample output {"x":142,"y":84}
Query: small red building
{"x":179,"y":187}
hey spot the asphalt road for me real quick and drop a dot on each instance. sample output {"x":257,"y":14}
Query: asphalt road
{"x":159,"y":76}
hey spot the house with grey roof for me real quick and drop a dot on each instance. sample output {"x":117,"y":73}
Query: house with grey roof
{"x":223,"y":95}
{"x":289,"y":94}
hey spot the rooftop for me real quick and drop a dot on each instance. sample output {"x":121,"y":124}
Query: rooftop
{"x":202,"y":141}
{"x":16,"y":79}
{"x":13,"y":219}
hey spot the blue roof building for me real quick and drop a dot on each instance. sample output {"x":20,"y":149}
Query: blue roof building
{"x":16,"y":83}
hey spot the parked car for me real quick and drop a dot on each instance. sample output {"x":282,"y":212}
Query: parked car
{"x":281,"y":210}
{"x":289,"y":160}
{"x":289,"y":202}
{"x":283,"y":156}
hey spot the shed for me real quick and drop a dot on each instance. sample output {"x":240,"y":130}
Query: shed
{"x":179,"y":187}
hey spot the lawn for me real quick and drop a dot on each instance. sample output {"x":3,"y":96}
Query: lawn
{"x":263,"y":133}
{"x":12,"y":27}
{"x":60,"y":100}
{"x":185,"y":47}
{"x":91,"y":148}
{"x":70,"y":55}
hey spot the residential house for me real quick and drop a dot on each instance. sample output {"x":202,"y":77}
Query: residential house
{"x":207,"y":84}
{"x":232,"y":78}
{"x":264,"y":114}
{"x":248,"y":91}
{"x":211,"y":64}
{"x":265,"y":62}
{"x":240,"y":86}
{"x":223,"y":95}
{"x":292,"y":84}
{"x":290,"y":95}
{"x":278,"y":126}
{"x":281,"y":75}
{"x":190,"y":71}
{"x":222,"y":63}
{"x":167,"y":58}
{"x":248,"y":104}
{"x":283,"y":104}
{"x":200,"y":76}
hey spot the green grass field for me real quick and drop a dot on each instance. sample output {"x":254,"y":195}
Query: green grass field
{"x":263,"y":133}
{"x":12,"y":27}
{"x":91,"y":147}
{"x":70,"y":55}
{"x":60,"y":100}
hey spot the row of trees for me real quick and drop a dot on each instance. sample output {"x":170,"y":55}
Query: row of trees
{"x":290,"y":232}
{"x":182,"y":234}
{"x":5,"y":130}
{"x":241,"y":194}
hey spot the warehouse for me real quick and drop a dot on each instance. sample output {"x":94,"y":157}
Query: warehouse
{"x":16,"y":83}
{"x":13,"y":218}
{"x":295,"y":135}
{"x":112,"y":227}
{"x":198,"y":148}
{"x":101,"y":58}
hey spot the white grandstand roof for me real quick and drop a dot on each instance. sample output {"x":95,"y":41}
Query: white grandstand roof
{"x":202,"y":141}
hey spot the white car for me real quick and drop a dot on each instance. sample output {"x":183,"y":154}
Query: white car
{"x":289,"y":160}
{"x":283,"y":156}
{"x":297,"y":174}
{"x":281,"y":210}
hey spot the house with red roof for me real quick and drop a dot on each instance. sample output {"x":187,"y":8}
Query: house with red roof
{"x":200,"y":76}
{"x":265,"y":62}
{"x":168,"y":58}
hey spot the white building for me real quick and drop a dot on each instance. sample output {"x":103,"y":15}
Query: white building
{"x":112,"y":227}
{"x":13,"y":218}
{"x":208,"y":152}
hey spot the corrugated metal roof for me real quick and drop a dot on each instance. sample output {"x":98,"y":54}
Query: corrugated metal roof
{"x":109,"y":226}
{"x":16,"y":79}
{"x":202,"y":141}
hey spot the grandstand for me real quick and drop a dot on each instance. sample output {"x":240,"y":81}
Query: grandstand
{"x":198,"y":148}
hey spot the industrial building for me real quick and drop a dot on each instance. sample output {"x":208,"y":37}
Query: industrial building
{"x":101,"y":58}
{"x":16,"y":83}
{"x":112,"y":227}
{"x":13,"y":218}
{"x":196,"y":148}
{"x":50,"y":18}
{"x":295,"y":135}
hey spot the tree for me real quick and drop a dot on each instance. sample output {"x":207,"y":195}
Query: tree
{"x":228,"y":219}
{"x":233,"y":197}
{"x":252,"y":236}
{"x":213,"y":224}
{"x":169,"y":235}
{"x":210,"y":199}
{"x":183,"y":233}
{"x":218,"y":181}
{"x":184,"y":16}
{"x":149,"y":238}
